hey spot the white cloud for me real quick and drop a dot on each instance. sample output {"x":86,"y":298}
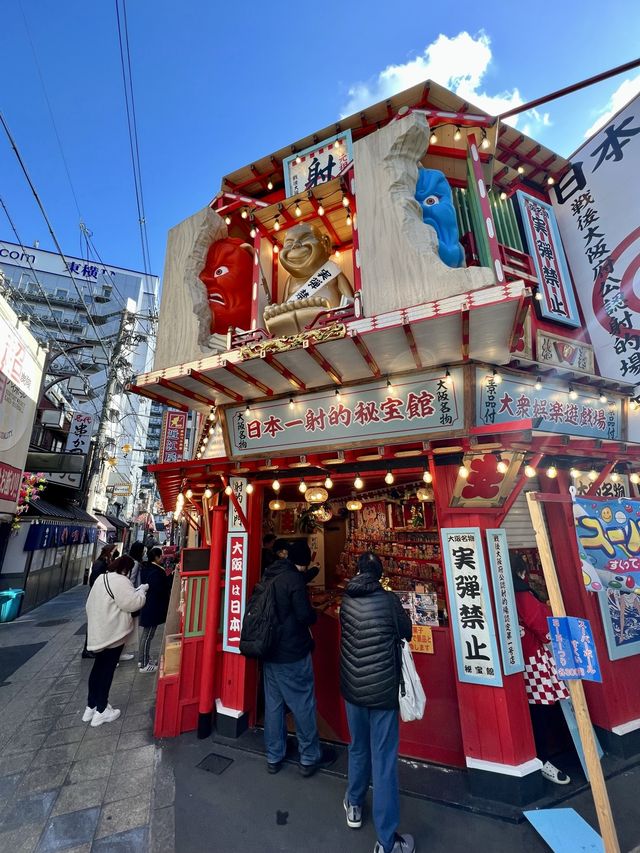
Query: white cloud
{"x":458,"y":63}
{"x":627,"y":90}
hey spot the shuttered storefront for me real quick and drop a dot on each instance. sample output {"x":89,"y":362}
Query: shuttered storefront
{"x":518,"y":521}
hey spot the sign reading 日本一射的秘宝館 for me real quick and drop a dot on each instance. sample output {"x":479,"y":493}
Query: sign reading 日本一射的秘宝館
{"x":597,"y":206}
{"x":429,"y":402}
{"x":474,"y":637}
{"x":319,"y":164}
{"x":234,"y":593}
{"x":505,"y":602}
{"x":558,"y":301}
{"x":557,"y":408}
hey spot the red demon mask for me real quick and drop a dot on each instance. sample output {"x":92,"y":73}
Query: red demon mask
{"x":227,"y":275}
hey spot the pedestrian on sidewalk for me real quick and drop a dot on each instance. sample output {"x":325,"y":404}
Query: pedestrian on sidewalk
{"x":287,"y":668}
{"x":370,"y":669}
{"x":136,"y":552}
{"x":154,"y":612}
{"x":98,"y":568}
{"x":111,"y":602}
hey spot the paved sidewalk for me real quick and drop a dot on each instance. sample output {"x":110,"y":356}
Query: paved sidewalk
{"x":64,"y":785}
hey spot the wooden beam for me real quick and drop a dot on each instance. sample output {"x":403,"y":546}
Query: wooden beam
{"x":324,"y":363}
{"x":217,"y":386}
{"x":363,"y":349}
{"x":413,"y":346}
{"x":238,"y":372}
{"x":186,"y":392}
{"x":273,"y":362}
{"x":159,"y":398}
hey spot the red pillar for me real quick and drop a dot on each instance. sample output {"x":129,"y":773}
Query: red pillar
{"x":205,"y":707}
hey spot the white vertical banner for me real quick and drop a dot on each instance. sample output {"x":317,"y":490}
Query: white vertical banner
{"x":80,"y":430}
{"x":597,"y":206}
{"x":239,"y":488}
{"x":505,"y":602}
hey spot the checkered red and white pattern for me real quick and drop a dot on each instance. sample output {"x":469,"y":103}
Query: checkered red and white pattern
{"x":541,"y":682}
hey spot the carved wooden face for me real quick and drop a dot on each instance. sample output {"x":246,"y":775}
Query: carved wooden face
{"x":305,"y":250}
{"x":228,"y":276}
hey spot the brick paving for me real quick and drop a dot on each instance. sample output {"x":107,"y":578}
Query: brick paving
{"x":64,"y":785}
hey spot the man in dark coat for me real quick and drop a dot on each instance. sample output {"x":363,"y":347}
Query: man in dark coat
{"x":154,"y":612}
{"x":287,"y":670}
{"x":372,"y":622}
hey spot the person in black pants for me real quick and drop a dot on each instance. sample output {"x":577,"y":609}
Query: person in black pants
{"x":154,"y":612}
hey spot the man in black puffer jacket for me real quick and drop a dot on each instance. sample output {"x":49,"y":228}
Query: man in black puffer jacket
{"x":287,"y":669}
{"x":372,"y":622}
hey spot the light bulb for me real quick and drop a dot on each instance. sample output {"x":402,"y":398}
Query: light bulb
{"x":328,"y":483}
{"x":349,"y":220}
{"x":573,"y":394}
{"x":205,"y":439}
{"x":337,"y":394}
{"x":320,"y":210}
{"x":249,"y":488}
{"x":538,"y":385}
{"x":199,"y":454}
{"x":208,"y":493}
{"x":336,"y":254}
{"x":433,"y":138}
{"x":448,"y":379}
{"x":298,"y":210}
{"x":275,"y":485}
{"x":593,"y":475}
{"x":244,"y":213}
{"x":212,"y":415}
{"x":276,"y":249}
{"x":302,"y":487}
{"x":427,"y":477}
{"x":276,"y":224}
{"x":298,"y":159}
{"x":228,"y":490}
{"x":502,"y":467}
{"x":457,"y":135}
{"x":291,"y":403}
{"x":269,"y":185}
{"x":529,"y":471}
{"x":227,"y":220}
{"x":247,"y":409}
{"x":390,"y":387}
{"x":496,"y":377}
{"x":552,"y":472}
{"x":485,"y":142}
{"x":635,"y":478}
{"x":603,"y":398}
{"x":503,"y":196}
{"x":520,"y":170}
{"x":574,"y":473}
{"x":615,"y":477}
{"x":551,"y":181}
{"x":253,"y":233}
{"x":463,"y":472}
{"x":336,"y":144}
{"x":345,"y":200}
{"x":389,"y":478}
{"x":188,"y":494}
{"x":538,"y":295}
{"x":633,"y":405}
{"x":358,"y":483}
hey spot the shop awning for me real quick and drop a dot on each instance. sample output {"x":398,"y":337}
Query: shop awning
{"x":470,"y":326}
{"x":104,"y":522}
{"x":112,"y":520}
{"x":65,"y":511}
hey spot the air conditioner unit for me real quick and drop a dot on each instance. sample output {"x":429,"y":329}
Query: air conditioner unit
{"x":53,"y":418}
{"x":77,"y":385}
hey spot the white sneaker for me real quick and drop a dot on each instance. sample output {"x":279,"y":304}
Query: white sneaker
{"x":354,"y":815}
{"x":551,"y":772}
{"x":88,"y":714}
{"x":150,"y":667}
{"x":109,"y":715}
{"x":127,"y":656}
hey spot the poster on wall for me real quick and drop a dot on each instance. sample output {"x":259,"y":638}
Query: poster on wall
{"x":505,"y":602}
{"x":608,"y":536}
{"x":598,"y":210}
{"x":474,"y":637}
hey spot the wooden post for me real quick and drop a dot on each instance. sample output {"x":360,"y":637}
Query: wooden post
{"x":576,"y":690}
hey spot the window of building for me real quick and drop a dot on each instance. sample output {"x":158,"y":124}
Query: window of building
{"x":61,"y":294}
{"x":106,"y":291}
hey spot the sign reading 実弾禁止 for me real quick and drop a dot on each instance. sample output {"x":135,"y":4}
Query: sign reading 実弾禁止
{"x":471,"y":617}
{"x":598,"y":209}
{"x":574,"y":649}
{"x":319,"y":164}
{"x":504,"y":598}
{"x":559,"y":409}
{"x":413,"y":405}
{"x":545,"y":247}
{"x":234,"y":591}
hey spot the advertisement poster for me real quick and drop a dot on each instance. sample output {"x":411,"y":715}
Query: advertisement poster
{"x":608,"y":535}
{"x":598,"y":210}
{"x":172,"y":436}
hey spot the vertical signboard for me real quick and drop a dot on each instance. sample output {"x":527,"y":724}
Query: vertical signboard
{"x":172,"y":436}
{"x":236,"y":574}
{"x":79,"y":438}
{"x":598,"y":210}
{"x":317,"y":165}
{"x":471,"y":617}
{"x":505,"y":602}
{"x":21,"y":364}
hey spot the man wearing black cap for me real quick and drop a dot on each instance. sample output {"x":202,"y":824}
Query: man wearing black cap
{"x":287,"y":670}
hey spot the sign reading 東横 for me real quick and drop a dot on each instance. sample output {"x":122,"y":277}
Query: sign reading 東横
{"x":429,"y":402}
{"x":545,"y":247}
{"x":598,"y":209}
{"x":557,"y":408}
{"x":317,"y":165}
{"x":608,"y":535}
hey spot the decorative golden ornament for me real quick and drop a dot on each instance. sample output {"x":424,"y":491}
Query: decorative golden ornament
{"x":277,"y":505}
{"x":354,"y":506}
{"x":424,"y":494}
{"x":316,"y":495}
{"x":323,"y":514}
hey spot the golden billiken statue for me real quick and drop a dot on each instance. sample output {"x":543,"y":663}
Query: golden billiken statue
{"x":314,"y":284}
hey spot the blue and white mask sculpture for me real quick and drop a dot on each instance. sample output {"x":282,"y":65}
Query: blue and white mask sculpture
{"x":434,"y":196}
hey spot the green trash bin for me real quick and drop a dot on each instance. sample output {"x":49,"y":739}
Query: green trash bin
{"x":10,"y":604}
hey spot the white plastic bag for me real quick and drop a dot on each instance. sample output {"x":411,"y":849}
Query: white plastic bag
{"x":411,"y":693}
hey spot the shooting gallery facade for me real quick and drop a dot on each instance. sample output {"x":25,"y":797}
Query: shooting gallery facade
{"x":381,"y":336}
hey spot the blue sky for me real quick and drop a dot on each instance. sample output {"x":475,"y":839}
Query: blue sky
{"x":218,"y":85}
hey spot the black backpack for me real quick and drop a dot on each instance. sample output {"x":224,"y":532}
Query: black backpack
{"x":260,"y":623}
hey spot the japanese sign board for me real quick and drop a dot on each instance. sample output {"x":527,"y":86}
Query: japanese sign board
{"x":573,"y":647}
{"x":418,"y":404}
{"x":56,"y":535}
{"x":552,"y":349}
{"x":21,"y":365}
{"x":470,"y":609}
{"x":172,"y":436}
{"x":79,"y":437}
{"x":545,"y":247}
{"x":235,"y":588}
{"x":505,"y":602}
{"x":608,"y":535}
{"x":556,"y":408}
{"x":598,"y":210}
{"x":239,"y":487}
{"x":616,"y":488}
{"x":422,"y":640}
{"x":318,"y":165}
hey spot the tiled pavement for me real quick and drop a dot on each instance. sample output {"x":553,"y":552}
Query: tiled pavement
{"x":64,"y":785}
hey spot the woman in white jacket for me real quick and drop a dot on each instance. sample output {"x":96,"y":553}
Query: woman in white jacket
{"x":112,"y":600}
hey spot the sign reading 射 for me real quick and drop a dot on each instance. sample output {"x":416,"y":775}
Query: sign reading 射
{"x":505,"y":602}
{"x":235,"y":585}
{"x":172,"y":436}
{"x":471,"y":617}
{"x":598,"y":210}
{"x":557,"y":409}
{"x":428,"y":402}
{"x":545,"y":247}
{"x":573,"y":647}
{"x":318,"y":164}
